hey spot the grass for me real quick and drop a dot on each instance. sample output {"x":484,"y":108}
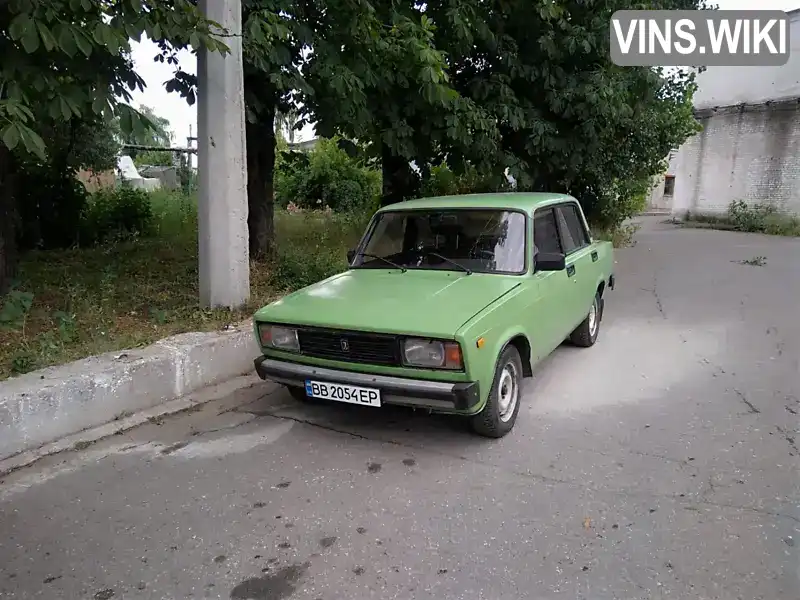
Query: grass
{"x":621,"y":236}
{"x":75,"y":303}
{"x":758,"y":218}
{"x":132,"y":291}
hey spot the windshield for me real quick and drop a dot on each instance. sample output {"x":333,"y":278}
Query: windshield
{"x":480,"y":241}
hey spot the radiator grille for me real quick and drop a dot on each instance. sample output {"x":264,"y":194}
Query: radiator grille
{"x":348,"y":346}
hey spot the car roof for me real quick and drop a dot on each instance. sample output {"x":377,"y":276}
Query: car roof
{"x":525,"y":201}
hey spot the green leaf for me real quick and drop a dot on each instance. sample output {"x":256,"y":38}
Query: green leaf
{"x":67,"y":40}
{"x":30,"y":39}
{"x":18,"y":111}
{"x":32,"y":141}
{"x":84,"y":43}
{"x":11,"y":136}
{"x":19,"y":25}
{"x":54,"y":110}
{"x":74,"y":108}
{"x":98,"y":104}
{"x":47,"y":37}
{"x":65,"y":110}
{"x":133,"y":32}
{"x":125,"y":119}
{"x":101,"y":34}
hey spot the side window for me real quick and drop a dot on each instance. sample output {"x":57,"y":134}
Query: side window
{"x":545,"y":232}
{"x":575,"y":236}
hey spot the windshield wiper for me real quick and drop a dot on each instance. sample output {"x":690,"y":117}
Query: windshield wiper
{"x":386,"y":260}
{"x":451,"y":261}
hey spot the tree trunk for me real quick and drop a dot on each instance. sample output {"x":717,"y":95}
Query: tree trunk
{"x":400,"y":182}
{"x":8,"y":221}
{"x":260,"y":185}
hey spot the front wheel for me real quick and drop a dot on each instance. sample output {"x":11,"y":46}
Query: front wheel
{"x":585,"y":335}
{"x":502,"y":407}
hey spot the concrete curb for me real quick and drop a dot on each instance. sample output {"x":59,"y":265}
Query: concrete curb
{"x":85,"y":438}
{"x":44,"y":406}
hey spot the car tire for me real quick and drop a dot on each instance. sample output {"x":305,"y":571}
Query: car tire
{"x":500,"y":413}
{"x":585,"y":335}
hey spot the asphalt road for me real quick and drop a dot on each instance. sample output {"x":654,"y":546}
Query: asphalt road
{"x":662,"y":463}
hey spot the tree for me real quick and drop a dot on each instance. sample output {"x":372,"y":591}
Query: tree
{"x":569,"y":120}
{"x":365,"y":70}
{"x":391,"y":88}
{"x":71,"y":58}
{"x":155,"y":131}
{"x":275,"y":33}
{"x":49,"y":198}
{"x":287,"y":121}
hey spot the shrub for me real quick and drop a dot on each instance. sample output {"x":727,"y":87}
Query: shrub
{"x":616,"y":201}
{"x":153,"y":158}
{"x":442,"y":181}
{"x":758,"y":218}
{"x":313,"y":245}
{"x":621,"y":236}
{"x":174,"y":214}
{"x":114,"y":213}
{"x":50,"y":206}
{"x":296,"y":268}
{"x":762,"y":218}
{"x":749,"y":218}
{"x":326,"y":177}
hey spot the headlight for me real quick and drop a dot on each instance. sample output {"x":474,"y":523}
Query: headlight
{"x":280,"y":338}
{"x":431,"y":353}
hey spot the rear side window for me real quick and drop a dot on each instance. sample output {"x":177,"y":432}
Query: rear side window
{"x":574,"y":233}
{"x":545,"y":232}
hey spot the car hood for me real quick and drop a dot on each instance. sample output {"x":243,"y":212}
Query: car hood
{"x":417,"y":302}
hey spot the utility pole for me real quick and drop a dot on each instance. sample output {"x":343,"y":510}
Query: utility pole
{"x":224,"y":262}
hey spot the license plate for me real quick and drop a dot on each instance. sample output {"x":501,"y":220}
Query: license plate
{"x":343,"y":393}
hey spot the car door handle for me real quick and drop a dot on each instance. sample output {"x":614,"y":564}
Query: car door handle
{"x":570,"y":270}
{"x":594,"y":256}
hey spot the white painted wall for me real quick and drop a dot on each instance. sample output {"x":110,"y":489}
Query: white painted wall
{"x":726,"y":86}
{"x":751,"y":155}
{"x":747,"y":153}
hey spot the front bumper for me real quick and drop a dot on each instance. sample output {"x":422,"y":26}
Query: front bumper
{"x":436,"y":395}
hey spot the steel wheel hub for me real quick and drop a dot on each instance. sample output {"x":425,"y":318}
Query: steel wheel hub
{"x":507,"y":392}
{"x":593,"y":318}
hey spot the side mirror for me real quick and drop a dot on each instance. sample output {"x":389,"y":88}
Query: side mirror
{"x":351,"y":254}
{"x":550,"y":261}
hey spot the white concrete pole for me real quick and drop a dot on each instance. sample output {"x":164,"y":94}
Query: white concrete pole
{"x":224,"y":262}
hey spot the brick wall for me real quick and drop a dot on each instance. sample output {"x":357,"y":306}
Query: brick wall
{"x":747,"y":153}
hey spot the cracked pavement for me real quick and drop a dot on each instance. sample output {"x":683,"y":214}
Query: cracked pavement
{"x":662,"y":463}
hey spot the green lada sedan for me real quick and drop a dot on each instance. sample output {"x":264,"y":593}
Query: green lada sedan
{"x":448,"y":304}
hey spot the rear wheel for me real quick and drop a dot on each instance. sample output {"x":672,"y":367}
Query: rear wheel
{"x":502,"y":407}
{"x":585,"y":334}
